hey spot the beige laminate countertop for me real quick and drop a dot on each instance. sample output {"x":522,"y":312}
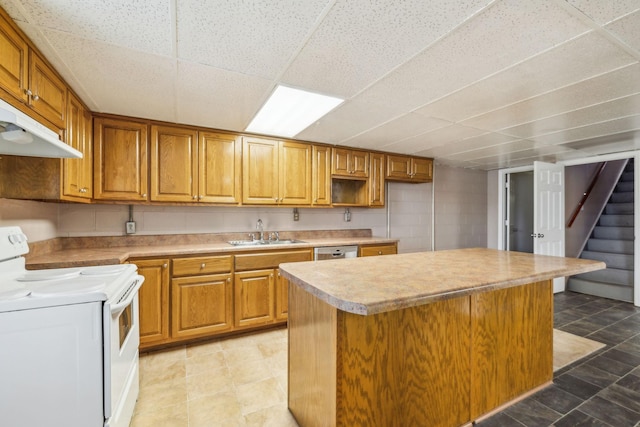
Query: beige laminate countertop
{"x":78,"y":257}
{"x":378,"y":284}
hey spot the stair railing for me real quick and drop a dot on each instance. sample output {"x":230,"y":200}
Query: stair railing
{"x":585,"y":195}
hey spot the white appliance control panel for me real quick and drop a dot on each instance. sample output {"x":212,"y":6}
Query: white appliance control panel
{"x":13,"y":243}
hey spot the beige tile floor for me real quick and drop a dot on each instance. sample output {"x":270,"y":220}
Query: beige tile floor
{"x":243,"y":381}
{"x":232,"y":382}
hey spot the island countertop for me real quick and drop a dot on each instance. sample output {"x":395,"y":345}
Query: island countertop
{"x":378,"y":284}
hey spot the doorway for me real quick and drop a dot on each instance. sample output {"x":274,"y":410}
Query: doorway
{"x":519,"y":224}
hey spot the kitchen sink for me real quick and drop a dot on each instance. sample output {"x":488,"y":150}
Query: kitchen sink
{"x":263,"y":242}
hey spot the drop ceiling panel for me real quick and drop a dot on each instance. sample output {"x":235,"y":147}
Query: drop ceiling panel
{"x":624,"y":141}
{"x":438,"y":137}
{"x":505,"y":34}
{"x":599,"y":89}
{"x":209,"y":96}
{"x":579,"y":59}
{"x":122,"y":80}
{"x":603,"y":12}
{"x":485,"y":140}
{"x":401,"y":128}
{"x":612,"y":127}
{"x":252,"y":37}
{"x":140,"y":25}
{"x":627,"y":29}
{"x":360,"y":41}
{"x":604,"y":112}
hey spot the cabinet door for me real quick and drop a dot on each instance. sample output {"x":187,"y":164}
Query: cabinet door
{"x":359,"y":163}
{"x":200,"y":305}
{"x":49,"y":93}
{"x":154,"y":301}
{"x":75,"y":181}
{"x":398,"y":167}
{"x":174,"y":164}
{"x":422,"y":169}
{"x":340,"y":164}
{"x":321,"y":176}
{"x":13,"y":61}
{"x":259,"y":171}
{"x":220,"y":165}
{"x":120,"y":160}
{"x":254,"y":298}
{"x":376,"y":180}
{"x":282,"y":297}
{"x":87,"y":160}
{"x":294,"y":173}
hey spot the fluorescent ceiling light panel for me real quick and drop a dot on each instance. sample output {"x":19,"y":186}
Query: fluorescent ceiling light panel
{"x":288,"y":111}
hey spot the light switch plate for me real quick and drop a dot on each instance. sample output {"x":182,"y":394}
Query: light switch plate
{"x":131,"y":227}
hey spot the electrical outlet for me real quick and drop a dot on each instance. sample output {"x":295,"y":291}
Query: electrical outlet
{"x":131,"y":227}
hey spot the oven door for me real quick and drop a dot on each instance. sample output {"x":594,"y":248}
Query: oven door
{"x":121,"y":341}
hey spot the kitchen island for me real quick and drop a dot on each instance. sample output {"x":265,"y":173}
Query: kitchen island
{"x":425,"y":339}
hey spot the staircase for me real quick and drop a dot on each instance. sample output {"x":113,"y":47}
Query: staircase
{"x":611,"y":242}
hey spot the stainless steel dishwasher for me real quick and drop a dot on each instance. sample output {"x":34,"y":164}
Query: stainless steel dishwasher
{"x":335,"y":252}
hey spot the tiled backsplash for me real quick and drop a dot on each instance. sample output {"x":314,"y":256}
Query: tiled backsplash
{"x":460,"y":200}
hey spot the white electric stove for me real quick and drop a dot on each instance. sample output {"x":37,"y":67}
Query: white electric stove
{"x":69,"y":341}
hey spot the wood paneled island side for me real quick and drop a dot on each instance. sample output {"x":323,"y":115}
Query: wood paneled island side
{"x":424,"y":339}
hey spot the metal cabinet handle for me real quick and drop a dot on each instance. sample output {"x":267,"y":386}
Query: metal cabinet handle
{"x":144,"y":194}
{"x":194,"y":197}
{"x":228,"y":279}
{"x":379,"y":252}
{"x":28,"y":92}
{"x":36,"y":97}
{"x":200,"y":197}
{"x":165,"y":265}
{"x":203,"y":265}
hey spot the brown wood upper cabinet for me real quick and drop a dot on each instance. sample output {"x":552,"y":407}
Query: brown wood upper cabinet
{"x":29,"y":78}
{"x":275,"y":172}
{"x":174,"y":164}
{"x":376,"y":180}
{"x":120,"y":159}
{"x":77,"y":178}
{"x":409,"y":169}
{"x":350,"y":163}
{"x":13,"y":61}
{"x":321,"y":175}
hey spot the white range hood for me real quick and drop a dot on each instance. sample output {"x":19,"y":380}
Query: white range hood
{"x":20,"y":135}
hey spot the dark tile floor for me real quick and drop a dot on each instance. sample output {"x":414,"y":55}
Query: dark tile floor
{"x":601,"y":390}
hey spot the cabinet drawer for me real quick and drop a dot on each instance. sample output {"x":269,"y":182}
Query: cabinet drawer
{"x":378,"y":250}
{"x":202,"y":265}
{"x":270,"y":259}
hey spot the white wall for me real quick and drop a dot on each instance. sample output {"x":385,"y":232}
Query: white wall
{"x":410,"y":215}
{"x":460,"y":208}
{"x":38,"y":220}
{"x":492,"y":209}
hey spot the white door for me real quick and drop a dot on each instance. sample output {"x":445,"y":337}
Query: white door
{"x":548,"y":215}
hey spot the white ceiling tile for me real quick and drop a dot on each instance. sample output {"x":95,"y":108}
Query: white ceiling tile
{"x":360,"y":41}
{"x":603,"y":11}
{"x":506,"y":33}
{"x":139,"y":25}
{"x":401,"y":128}
{"x":252,"y":37}
{"x":209,"y":96}
{"x":435,"y":138}
{"x":485,"y":140}
{"x":612,"y":127}
{"x":610,"y":143}
{"x":13,"y":10}
{"x":607,"y":111}
{"x":627,"y":30}
{"x":584,"y":57}
{"x":124,"y":81}
{"x":602,"y":88}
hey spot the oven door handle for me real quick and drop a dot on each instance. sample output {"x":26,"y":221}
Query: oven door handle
{"x":116,"y":309}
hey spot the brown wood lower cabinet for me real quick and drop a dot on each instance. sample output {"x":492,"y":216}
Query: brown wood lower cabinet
{"x":197,"y":297}
{"x":201,"y":305}
{"x":254,"y":298}
{"x":154,"y":301}
{"x":375,"y":250}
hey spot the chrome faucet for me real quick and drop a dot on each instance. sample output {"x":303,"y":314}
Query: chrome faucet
{"x":260,"y":228}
